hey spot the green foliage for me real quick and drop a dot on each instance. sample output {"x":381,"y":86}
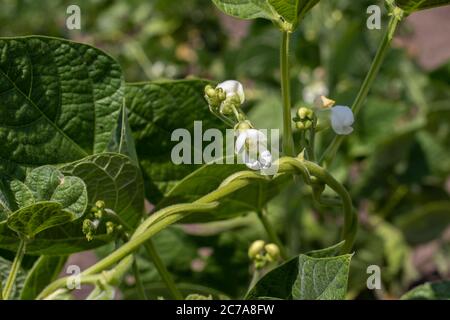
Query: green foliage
{"x":45,"y":200}
{"x":60,"y":100}
{"x":156,"y":110}
{"x":208,"y":178}
{"x":286,"y":13}
{"x":318,"y":275}
{"x":45,"y":270}
{"x":5,"y":267}
{"x":429,"y":291}
{"x":414,"y":5}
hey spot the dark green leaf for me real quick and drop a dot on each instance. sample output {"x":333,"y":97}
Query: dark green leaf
{"x":114,"y":179}
{"x":156,"y":109}
{"x":429,"y":291}
{"x":307,"y":277}
{"x":60,"y":101}
{"x":46,"y":199}
{"x":45,"y":270}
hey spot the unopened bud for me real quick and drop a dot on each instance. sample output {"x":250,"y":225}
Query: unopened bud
{"x":273,"y":251}
{"x":255,"y":248}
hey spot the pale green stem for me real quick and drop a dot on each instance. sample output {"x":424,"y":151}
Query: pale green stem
{"x":162,"y":270}
{"x":14,"y":270}
{"x":288,"y":142}
{"x":330,"y":152}
{"x":273,"y":237}
{"x":308,"y":168}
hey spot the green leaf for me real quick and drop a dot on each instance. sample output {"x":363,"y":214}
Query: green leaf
{"x":122,"y":139}
{"x":246,"y":9}
{"x":110,"y":177}
{"x":38,"y":217}
{"x":322,"y":278}
{"x":313,"y":276}
{"x":45,"y":270}
{"x":208,"y":178}
{"x":286,"y":13}
{"x":46,"y":199}
{"x":156,"y":109}
{"x":429,"y":291}
{"x":5,"y":267}
{"x":426,"y":222}
{"x":415,"y":5}
{"x":114,"y":179}
{"x":327,"y":252}
{"x":60,"y":101}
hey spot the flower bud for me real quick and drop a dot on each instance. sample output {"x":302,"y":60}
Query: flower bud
{"x":255,"y":248}
{"x":232,"y":88}
{"x":273,"y":251}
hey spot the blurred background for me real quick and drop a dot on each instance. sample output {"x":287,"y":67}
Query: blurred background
{"x":396,"y":164}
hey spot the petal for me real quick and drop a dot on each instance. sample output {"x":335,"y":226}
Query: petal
{"x":240,"y":141}
{"x":341,"y":120}
{"x":231,"y":88}
{"x":265,"y":158}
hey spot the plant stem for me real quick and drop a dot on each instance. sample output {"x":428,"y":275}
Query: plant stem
{"x":273,"y":237}
{"x":288,"y":142}
{"x":162,"y":270}
{"x":137,"y":277}
{"x":308,"y":168}
{"x":396,"y":17}
{"x":14,"y":270}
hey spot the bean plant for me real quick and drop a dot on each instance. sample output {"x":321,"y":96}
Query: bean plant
{"x":85,"y":164}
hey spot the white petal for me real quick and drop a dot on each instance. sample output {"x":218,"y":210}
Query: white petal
{"x":250,"y":161}
{"x":342,"y":119}
{"x":265,"y":158}
{"x":231,"y":88}
{"x":240,"y":141}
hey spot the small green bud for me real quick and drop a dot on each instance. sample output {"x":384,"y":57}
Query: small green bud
{"x":243,"y":125}
{"x":300,"y":125}
{"x":255,"y":248}
{"x":227,"y":108}
{"x":210,"y":91}
{"x":88,"y":229}
{"x":109,"y":227}
{"x":100,"y":204}
{"x":221,"y":95}
{"x":273,"y":251}
{"x":307,"y":124}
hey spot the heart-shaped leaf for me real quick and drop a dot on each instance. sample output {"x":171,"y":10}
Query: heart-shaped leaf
{"x":415,"y":5}
{"x":46,"y":199}
{"x":114,"y":179}
{"x":311,"y":276}
{"x":156,"y":109}
{"x":60,"y":101}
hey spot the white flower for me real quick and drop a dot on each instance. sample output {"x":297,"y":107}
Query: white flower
{"x":342,"y":120}
{"x":232,"y":88}
{"x":252,"y":144}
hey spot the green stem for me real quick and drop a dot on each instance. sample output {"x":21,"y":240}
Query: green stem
{"x":308,"y":168}
{"x":162,"y":270}
{"x":14,"y":270}
{"x":273,"y":237}
{"x":139,"y":285}
{"x":396,"y":17}
{"x":288,"y":142}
